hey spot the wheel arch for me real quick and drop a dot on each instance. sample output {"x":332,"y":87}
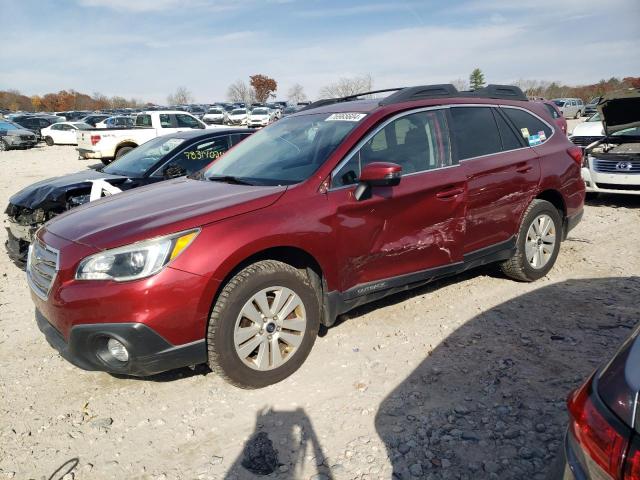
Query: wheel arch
{"x":555,"y":198}
{"x":124,"y":143}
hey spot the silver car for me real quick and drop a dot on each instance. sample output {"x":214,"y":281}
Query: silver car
{"x":570,"y":107}
{"x":13,"y":135}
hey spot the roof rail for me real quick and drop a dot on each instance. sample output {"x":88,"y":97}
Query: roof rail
{"x":330,"y":101}
{"x":443,"y":90}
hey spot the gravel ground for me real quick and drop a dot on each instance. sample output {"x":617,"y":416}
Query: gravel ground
{"x":465,"y":378}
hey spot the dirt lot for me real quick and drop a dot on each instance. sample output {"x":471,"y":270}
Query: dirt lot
{"x":465,"y":378}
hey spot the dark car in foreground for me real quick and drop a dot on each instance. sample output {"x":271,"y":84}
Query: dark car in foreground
{"x":340,"y":204}
{"x":603,"y":437}
{"x":162,"y":158}
{"x":13,"y":135}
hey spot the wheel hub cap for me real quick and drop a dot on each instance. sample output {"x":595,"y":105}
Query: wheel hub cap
{"x":540,"y":242}
{"x":270,"y":328}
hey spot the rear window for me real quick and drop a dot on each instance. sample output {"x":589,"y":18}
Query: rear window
{"x":552,"y":111}
{"x":533,"y":130}
{"x":475,"y":132}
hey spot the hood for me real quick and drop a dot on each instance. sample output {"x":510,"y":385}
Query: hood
{"x":53,"y":193}
{"x":158,"y":209}
{"x":588,"y":129}
{"x":18,"y":131}
{"x":620,"y":111}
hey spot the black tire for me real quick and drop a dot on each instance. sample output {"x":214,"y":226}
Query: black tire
{"x":578,"y":114}
{"x":518,"y":266}
{"x":3,"y":146}
{"x":105,"y":161}
{"x":223,"y":358}
{"x":123,"y":150}
{"x":48,"y":141}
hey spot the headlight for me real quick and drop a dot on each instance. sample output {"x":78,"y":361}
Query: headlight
{"x":135,"y":261}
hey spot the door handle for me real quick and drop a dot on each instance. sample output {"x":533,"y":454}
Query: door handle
{"x":448,"y":193}
{"x":524,"y":168}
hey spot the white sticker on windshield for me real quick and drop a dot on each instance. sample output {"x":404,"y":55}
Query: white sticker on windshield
{"x":345,"y":117}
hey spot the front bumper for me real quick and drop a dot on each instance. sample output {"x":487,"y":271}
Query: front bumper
{"x":621,"y":183}
{"x":149,"y":353}
{"x":85,"y":153}
{"x":17,"y":142}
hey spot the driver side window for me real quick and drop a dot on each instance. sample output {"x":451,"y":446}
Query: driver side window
{"x":417,"y":142}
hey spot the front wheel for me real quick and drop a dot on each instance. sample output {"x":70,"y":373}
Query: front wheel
{"x":48,"y":141}
{"x":263,"y":324}
{"x":538,"y":243}
{"x":3,"y":146}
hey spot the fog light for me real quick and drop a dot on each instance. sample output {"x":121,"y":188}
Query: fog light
{"x":118,"y":350}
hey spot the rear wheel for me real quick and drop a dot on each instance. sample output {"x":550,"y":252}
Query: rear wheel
{"x":3,"y":146}
{"x":538,"y":243}
{"x":263,"y":324}
{"x":122,"y":151}
{"x":578,"y":114}
{"x":48,"y":141}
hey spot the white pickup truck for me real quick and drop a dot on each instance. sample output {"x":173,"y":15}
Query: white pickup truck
{"x":107,"y":144}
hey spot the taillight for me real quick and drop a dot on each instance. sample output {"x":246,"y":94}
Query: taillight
{"x":632,"y":465}
{"x":576,"y":154}
{"x":95,"y":139}
{"x":595,"y":435}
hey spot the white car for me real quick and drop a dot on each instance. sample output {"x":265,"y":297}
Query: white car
{"x":260,"y":117}
{"x":215,"y":115}
{"x":585,"y":133}
{"x":118,"y":121}
{"x":239,"y":116}
{"x":63,"y":133}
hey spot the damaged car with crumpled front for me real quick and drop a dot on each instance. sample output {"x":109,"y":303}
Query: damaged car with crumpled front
{"x":161,"y":158}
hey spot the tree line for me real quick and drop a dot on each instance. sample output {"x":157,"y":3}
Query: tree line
{"x":261,"y":88}
{"x":64,"y":100}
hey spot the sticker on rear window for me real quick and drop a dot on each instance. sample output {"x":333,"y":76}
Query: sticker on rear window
{"x":345,"y":117}
{"x":525,"y":132}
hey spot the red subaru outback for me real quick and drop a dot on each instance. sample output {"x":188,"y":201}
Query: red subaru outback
{"x":335,"y":206}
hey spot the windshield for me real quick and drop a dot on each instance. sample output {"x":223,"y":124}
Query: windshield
{"x":139,"y":160}
{"x":239,"y":111}
{"x":628,"y":132}
{"x":594,"y":118}
{"x":559,"y":103}
{"x":9,"y":126}
{"x":286,"y":152}
{"x":594,"y":101}
{"x":259,"y":111}
{"x":215,"y":111}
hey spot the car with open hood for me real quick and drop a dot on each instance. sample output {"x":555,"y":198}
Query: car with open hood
{"x":612,"y":164}
{"x":342,"y":203}
{"x":588,"y":132}
{"x":162,"y":158}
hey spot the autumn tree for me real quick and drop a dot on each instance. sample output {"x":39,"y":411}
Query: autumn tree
{"x":36,"y":102}
{"x":263,"y":86}
{"x":296,"y":94}
{"x":476,"y":79}
{"x":181,"y":96}
{"x":347,"y":86}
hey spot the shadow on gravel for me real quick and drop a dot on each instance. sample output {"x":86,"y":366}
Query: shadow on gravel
{"x":489,"y":401}
{"x":615,"y":201}
{"x":170,"y":376}
{"x":285,"y":444}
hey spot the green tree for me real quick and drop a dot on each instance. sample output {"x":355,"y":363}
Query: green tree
{"x":476,"y":79}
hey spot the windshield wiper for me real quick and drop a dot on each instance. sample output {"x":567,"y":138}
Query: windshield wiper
{"x":229,"y":179}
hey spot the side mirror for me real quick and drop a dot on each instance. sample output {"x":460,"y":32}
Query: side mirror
{"x":377,"y":174}
{"x":173,"y":171}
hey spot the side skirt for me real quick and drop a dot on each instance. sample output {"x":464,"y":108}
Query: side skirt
{"x":337,"y":303}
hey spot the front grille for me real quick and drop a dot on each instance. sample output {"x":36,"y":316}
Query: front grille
{"x":613,"y":186}
{"x":584,"y":141}
{"x":616,"y":166}
{"x":27,"y":137}
{"x":42,"y":267}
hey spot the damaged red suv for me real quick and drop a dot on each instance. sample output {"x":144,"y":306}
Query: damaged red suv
{"x":340,"y":204}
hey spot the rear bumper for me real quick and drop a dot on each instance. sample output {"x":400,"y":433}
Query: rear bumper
{"x":149,"y":353}
{"x":86,"y":153}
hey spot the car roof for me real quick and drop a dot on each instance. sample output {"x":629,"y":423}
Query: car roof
{"x":195,"y":134}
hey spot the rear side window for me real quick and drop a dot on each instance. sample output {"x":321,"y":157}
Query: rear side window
{"x":165,"y":120}
{"x":509,"y":139}
{"x":143,"y":121}
{"x":533,"y":131}
{"x":238,"y":137}
{"x":475,"y":132}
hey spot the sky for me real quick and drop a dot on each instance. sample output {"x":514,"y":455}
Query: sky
{"x":147,"y":48}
